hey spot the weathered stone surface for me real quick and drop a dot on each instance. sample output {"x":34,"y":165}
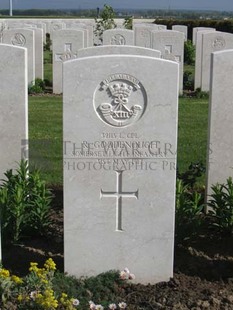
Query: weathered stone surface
{"x":66,"y":44}
{"x":120,"y":133}
{"x":220,"y":140}
{"x":119,"y":49}
{"x":118,"y":37}
{"x":13,"y":106}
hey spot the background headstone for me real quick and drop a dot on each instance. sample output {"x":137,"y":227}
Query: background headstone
{"x":120,"y":133}
{"x":23,"y":38}
{"x":118,"y":37}
{"x":39,"y":53}
{"x":198,"y":57}
{"x":196,"y":29}
{"x":66,"y":44}
{"x":171,"y":45}
{"x":212,"y":42}
{"x":88,"y":34}
{"x":183,"y":29}
{"x":142,"y":34}
{"x":13,"y":106}
{"x":220,"y":139}
{"x":13,"y":109}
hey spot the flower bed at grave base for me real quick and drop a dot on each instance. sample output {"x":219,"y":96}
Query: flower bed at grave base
{"x":203,"y":277}
{"x":39,"y":290}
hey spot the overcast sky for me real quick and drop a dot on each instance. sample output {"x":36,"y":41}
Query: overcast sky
{"x":226,"y":5}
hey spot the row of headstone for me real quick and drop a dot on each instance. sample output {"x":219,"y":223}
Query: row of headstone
{"x":50,"y":26}
{"x":110,"y":124}
{"x":66,"y":45}
{"x":123,"y":100}
{"x":120,"y":141}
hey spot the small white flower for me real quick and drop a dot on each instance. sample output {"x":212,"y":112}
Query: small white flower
{"x":99,"y":307}
{"x":123,"y":275}
{"x":33,"y":295}
{"x":131,"y":276}
{"x":92,"y":305}
{"x":75,"y":302}
{"x":112,"y":306}
{"x":122,"y":305}
{"x":126,"y":270}
{"x":126,"y":275}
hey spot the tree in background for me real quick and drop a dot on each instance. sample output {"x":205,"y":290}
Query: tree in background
{"x":128,"y":23}
{"x":105,"y":22}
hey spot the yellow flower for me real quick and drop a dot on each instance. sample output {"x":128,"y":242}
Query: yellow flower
{"x":33,"y":267}
{"x":20,"y":297}
{"x":49,"y":264}
{"x":4,"y":273}
{"x":16,"y":279}
{"x":47,"y":300}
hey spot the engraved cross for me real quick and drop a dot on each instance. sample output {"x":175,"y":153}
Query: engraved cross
{"x":68,"y":53}
{"x":119,"y":195}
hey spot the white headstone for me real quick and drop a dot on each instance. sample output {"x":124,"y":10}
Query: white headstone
{"x":196,"y":29}
{"x":198,"y":57}
{"x":13,"y":106}
{"x":183,"y":29}
{"x":171,"y":45}
{"x":120,"y":133}
{"x":118,"y":49}
{"x":23,"y":38}
{"x":142,"y":34}
{"x":54,"y":27}
{"x":220,"y":140}
{"x":39,"y":53}
{"x":43,"y":27}
{"x":88,"y":35}
{"x":212,"y":42}
{"x":66,"y":44}
{"x":39,"y":63}
{"x":118,"y":37}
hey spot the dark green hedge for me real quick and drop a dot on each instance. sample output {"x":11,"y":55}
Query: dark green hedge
{"x":220,"y":25}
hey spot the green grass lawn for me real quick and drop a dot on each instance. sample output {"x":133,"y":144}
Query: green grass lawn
{"x":48,"y":67}
{"x":45,"y":132}
{"x":192,"y":132}
{"x":45,"y":136}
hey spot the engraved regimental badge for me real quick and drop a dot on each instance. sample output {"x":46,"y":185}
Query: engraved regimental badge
{"x":219,"y":43}
{"x":18,"y":39}
{"x":120,"y":100}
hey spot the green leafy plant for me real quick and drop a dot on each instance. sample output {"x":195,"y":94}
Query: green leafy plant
{"x":37,"y":87}
{"x":188,"y":80}
{"x":24,"y":203}
{"x":201,"y":94}
{"x":47,"y":45}
{"x":189,"y":210}
{"x":189,"y":53}
{"x":189,"y":177}
{"x":221,"y":204}
{"x":105,"y":22}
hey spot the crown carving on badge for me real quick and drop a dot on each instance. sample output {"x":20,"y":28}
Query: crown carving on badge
{"x":120,"y":89}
